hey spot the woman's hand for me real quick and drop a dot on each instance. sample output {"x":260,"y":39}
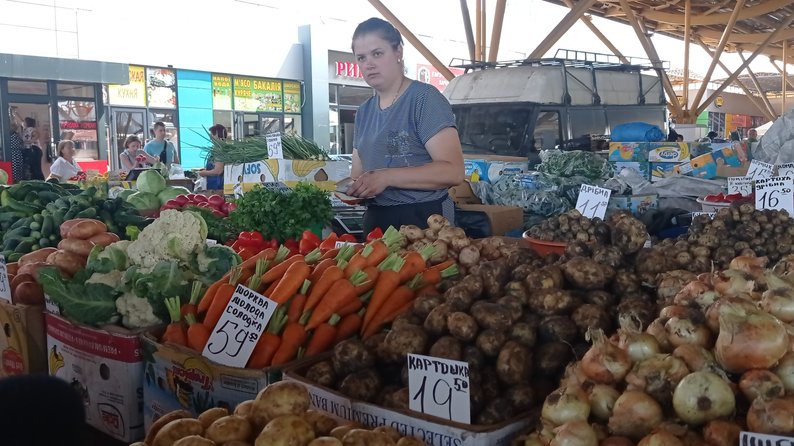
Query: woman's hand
{"x":370,"y":184}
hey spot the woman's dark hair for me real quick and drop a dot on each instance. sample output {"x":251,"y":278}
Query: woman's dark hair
{"x":62,"y":145}
{"x":30,"y":122}
{"x":382,"y":28}
{"x":131,"y":139}
{"x":219,"y":131}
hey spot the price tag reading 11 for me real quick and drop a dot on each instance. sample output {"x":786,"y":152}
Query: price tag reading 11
{"x":439,"y":387}
{"x":775,"y":193}
{"x":5,"y":287}
{"x":592,"y":201}
{"x":740,"y":185}
{"x":274,"y":148}
{"x":243,"y":321}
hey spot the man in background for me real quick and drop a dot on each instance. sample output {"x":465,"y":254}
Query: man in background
{"x":161,"y":147}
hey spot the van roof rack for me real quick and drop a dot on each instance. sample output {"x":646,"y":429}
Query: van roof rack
{"x":568,"y":59}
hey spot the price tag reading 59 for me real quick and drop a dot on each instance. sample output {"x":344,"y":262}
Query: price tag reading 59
{"x":593,"y":201}
{"x":5,"y":287}
{"x":274,"y":147}
{"x":439,"y":387}
{"x":243,"y":321}
{"x":775,"y":193}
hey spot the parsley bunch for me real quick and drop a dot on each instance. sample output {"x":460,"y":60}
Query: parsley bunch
{"x":280,"y":214}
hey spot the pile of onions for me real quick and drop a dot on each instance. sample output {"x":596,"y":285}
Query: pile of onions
{"x":657,"y":376}
{"x":637,"y":344}
{"x":721,"y":432}
{"x":701,"y":397}
{"x":778,"y":299}
{"x":605,"y":362}
{"x":682,"y":330}
{"x":749,"y":339}
{"x":660,"y":437}
{"x":785,"y":371}
{"x":602,"y":399}
{"x":635,"y":415}
{"x":574,"y":433}
{"x":761,"y":383}
{"x":775,"y":416}
{"x":566,"y":404}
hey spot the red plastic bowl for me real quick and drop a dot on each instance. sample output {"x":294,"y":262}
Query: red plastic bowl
{"x":544,"y":248}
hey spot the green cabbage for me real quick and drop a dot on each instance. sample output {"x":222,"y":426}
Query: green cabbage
{"x":3,"y":177}
{"x":171,"y":192}
{"x":125,"y":194}
{"x":144,"y":201}
{"x":150,"y":181}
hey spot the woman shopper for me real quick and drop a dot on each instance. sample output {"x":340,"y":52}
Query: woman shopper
{"x":213,"y":170}
{"x":133,"y":157}
{"x":64,"y":167}
{"x":406,"y":152}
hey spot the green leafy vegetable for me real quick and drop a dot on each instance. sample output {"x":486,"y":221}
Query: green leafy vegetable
{"x":220,"y":229}
{"x":85,"y":302}
{"x":215,"y":261}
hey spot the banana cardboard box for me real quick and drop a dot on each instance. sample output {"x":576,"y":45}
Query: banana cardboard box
{"x":180,"y":378}
{"x":23,"y":341}
{"x":106,"y":368}
{"x":240,"y":178}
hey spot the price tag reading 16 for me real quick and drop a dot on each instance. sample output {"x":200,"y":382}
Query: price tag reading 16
{"x":439,"y":387}
{"x":5,"y":287}
{"x":775,"y":193}
{"x":243,"y":321}
{"x":593,"y":201}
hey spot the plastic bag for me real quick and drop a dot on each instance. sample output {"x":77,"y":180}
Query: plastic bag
{"x":200,"y":184}
{"x":577,"y":162}
{"x":636,"y":132}
{"x":175,"y":172}
{"x":777,"y":144}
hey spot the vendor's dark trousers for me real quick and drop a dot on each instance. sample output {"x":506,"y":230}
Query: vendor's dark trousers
{"x":39,"y":410}
{"x":404,"y":214}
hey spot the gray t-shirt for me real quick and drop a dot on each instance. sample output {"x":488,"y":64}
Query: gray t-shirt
{"x":396,"y":137}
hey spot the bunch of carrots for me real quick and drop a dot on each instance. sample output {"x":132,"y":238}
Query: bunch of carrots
{"x":324,"y":297}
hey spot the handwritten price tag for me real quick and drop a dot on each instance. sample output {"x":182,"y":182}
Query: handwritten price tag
{"x":775,"y":193}
{"x":274,"y":149}
{"x":708,"y":214}
{"x":592,"y":201}
{"x":342,"y":244}
{"x":785,"y":170}
{"x":242,"y":323}
{"x":760,"y":169}
{"x":5,"y":287}
{"x":740,"y":185}
{"x":439,"y":387}
{"x":755,"y":439}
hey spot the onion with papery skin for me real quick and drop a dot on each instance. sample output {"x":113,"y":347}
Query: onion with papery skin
{"x":695,"y":357}
{"x":574,"y":375}
{"x":574,"y":433}
{"x":682,"y":331}
{"x":701,"y":397}
{"x":657,"y":376}
{"x":785,"y":371}
{"x":605,"y":362}
{"x":616,"y":441}
{"x":566,"y":404}
{"x":635,"y":415}
{"x":761,"y":383}
{"x":657,"y":330}
{"x":637,"y":344}
{"x":602,"y":399}
{"x":749,"y":339}
{"x":713,"y":311}
{"x":774,"y":416}
{"x":778,"y":299}
{"x":660,"y":438}
{"x":721,"y":432}
{"x":733,"y":283}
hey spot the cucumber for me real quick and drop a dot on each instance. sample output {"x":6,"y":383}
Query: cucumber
{"x":45,"y":242}
{"x":35,"y":234}
{"x":11,"y":244}
{"x":35,"y":248}
{"x":87,"y":213}
{"x":15,"y":256}
{"x":38,"y":218}
{"x":35,"y":226}
{"x":17,"y":233}
{"x":47,"y":226}
{"x":48,"y":196}
{"x":22,"y":222}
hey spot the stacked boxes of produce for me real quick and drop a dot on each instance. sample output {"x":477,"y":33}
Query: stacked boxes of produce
{"x":491,"y":170}
{"x":664,"y":156}
{"x":630,"y":155}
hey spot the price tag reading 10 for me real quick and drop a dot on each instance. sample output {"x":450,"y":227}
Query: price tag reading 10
{"x":243,"y":321}
{"x":593,"y":201}
{"x":439,"y":387}
{"x":775,"y":193}
{"x":5,"y":287}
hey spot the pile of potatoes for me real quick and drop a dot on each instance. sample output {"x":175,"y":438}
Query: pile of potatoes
{"x":452,"y":242}
{"x":279,"y":416}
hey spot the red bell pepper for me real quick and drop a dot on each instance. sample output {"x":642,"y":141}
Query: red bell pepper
{"x":732,"y":198}
{"x":374,"y":235}
{"x":329,"y":243}
{"x":348,"y":238}
{"x":311,"y":237}
{"x":292,"y":245}
{"x":247,"y":252}
{"x":252,"y":239}
{"x":306,"y":246}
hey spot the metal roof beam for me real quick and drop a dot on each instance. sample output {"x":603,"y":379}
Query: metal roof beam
{"x":761,"y":92}
{"x":588,"y":21}
{"x":565,"y":24}
{"x":496,"y":31}
{"x":718,"y":19}
{"x":779,"y":70}
{"x":464,"y":9}
{"x":687,"y":39}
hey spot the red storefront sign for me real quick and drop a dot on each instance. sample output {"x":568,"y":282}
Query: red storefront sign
{"x":428,"y":74}
{"x":348,"y":69}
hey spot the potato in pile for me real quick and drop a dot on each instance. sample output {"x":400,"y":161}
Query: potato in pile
{"x":279,"y":416}
{"x":571,"y":226}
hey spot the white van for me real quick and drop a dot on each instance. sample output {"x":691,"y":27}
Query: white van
{"x":516,"y":109}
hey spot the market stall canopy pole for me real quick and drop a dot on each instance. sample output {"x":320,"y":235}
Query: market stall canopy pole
{"x":496,"y":32}
{"x":650,"y":50}
{"x":477,"y":30}
{"x":771,"y":38}
{"x":410,"y":37}
{"x":565,"y":24}
{"x":757,"y":85}
{"x":784,"y":83}
{"x":687,"y":39}
{"x":483,"y":28}
{"x":770,"y":115}
{"x":718,"y":52}
{"x":464,"y":9}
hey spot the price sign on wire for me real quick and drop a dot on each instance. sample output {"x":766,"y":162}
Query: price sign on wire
{"x":785,"y":170}
{"x":708,"y":214}
{"x":5,"y":287}
{"x":274,"y":148}
{"x":775,"y":193}
{"x":439,"y":387}
{"x":341,"y":244}
{"x":243,"y":321}
{"x":756,"y":439}
{"x":760,"y":169}
{"x":740,"y":185}
{"x":593,"y":201}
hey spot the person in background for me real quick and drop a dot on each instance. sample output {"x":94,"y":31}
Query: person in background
{"x":213,"y":170}
{"x":30,"y":135}
{"x":161,"y":147}
{"x":679,"y":138}
{"x":672,"y":136}
{"x":752,"y":135}
{"x":133,"y":157}
{"x":712,"y":135}
{"x":64,"y":167}
{"x":16,"y":146}
{"x":406,"y":150}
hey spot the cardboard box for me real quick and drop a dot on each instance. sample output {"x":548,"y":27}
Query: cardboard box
{"x":503,"y":219}
{"x":23,"y":340}
{"x":660,"y":171}
{"x":628,"y":151}
{"x":637,"y":204}
{"x":463,"y":194}
{"x":240,"y":178}
{"x":179,"y":378}
{"x":642,"y":167}
{"x":668,"y":152}
{"x":721,"y":163}
{"x":106,"y":367}
{"x":491,"y":171}
{"x":433,"y":431}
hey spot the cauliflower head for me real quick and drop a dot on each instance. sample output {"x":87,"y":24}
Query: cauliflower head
{"x":112,"y":279}
{"x":174,"y":236}
{"x":136,"y":312}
